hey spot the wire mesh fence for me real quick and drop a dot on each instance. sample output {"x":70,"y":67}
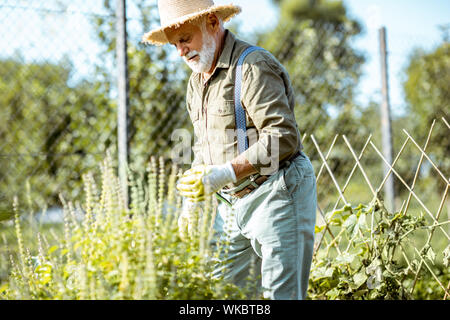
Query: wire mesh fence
{"x":56,"y":120}
{"x":58,"y":114}
{"x":58,"y":76}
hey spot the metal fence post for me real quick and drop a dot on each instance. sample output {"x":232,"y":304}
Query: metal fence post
{"x":386,"y":129}
{"x":123,"y":99}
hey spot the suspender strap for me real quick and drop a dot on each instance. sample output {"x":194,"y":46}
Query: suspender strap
{"x":241,"y":125}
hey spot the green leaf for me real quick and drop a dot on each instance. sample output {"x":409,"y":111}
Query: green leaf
{"x":373,"y":267}
{"x":3,"y":288}
{"x":359,"y":279}
{"x":362,"y":221}
{"x":322,"y":273}
{"x":398,"y":215}
{"x":329,"y":272}
{"x":373,"y":283}
{"x":359,"y":293}
{"x":52,"y":249}
{"x":345,"y":258}
{"x":321,"y":254}
{"x":348,"y":207}
{"x":333,"y":293}
{"x":318,"y":229}
{"x":336,"y":216}
{"x":350,"y":222}
{"x":446,"y":253}
{"x":431,"y":255}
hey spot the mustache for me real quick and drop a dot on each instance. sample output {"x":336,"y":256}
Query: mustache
{"x":190,"y":55}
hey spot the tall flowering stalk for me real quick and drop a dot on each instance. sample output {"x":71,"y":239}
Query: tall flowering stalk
{"x":115,"y":252}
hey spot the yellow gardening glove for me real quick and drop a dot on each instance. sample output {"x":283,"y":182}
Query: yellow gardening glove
{"x":190,"y":184}
{"x":205,"y":180}
{"x":188,"y":219}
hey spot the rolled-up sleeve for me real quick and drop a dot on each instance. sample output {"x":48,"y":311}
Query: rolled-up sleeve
{"x":265,"y":98}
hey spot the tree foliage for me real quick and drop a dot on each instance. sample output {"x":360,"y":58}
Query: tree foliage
{"x":56,"y":128}
{"x":157,"y":85}
{"x":427,"y":93}
{"x":50,"y":132}
{"x":313,"y":41}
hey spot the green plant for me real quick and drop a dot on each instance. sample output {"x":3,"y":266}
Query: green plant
{"x":104,"y":250}
{"x":358,"y":263}
{"x":117,"y":253}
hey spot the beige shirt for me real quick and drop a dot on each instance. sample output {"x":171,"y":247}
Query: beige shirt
{"x":267,"y":97}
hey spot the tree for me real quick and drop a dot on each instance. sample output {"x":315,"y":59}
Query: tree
{"x":427,"y":94}
{"x":157,"y":85}
{"x":313,"y":41}
{"x":54,"y":129}
{"x":50,"y":132}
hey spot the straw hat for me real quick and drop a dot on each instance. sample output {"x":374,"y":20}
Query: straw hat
{"x":173,"y":13}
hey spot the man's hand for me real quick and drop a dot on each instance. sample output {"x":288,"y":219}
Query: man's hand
{"x":188,"y":219}
{"x":205,"y":180}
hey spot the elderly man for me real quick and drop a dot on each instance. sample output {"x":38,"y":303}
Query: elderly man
{"x":248,"y":150}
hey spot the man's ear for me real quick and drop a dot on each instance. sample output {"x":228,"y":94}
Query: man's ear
{"x":212,"y":22}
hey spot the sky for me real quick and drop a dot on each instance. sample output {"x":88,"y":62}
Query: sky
{"x":409,"y":23}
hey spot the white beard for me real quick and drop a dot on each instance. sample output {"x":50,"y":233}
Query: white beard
{"x":206,"y":54}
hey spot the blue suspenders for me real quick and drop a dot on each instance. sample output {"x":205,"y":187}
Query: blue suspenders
{"x":241,"y":125}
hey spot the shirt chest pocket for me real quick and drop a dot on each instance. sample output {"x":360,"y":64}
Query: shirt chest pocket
{"x":221,"y":121}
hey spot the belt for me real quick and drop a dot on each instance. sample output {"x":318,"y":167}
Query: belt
{"x":254,"y":181}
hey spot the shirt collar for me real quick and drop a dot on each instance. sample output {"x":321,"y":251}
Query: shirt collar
{"x":224,"y":60}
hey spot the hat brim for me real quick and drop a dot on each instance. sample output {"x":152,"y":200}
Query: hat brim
{"x":158,"y":36}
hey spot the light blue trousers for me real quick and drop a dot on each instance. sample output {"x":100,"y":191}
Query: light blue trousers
{"x":269,"y":233}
